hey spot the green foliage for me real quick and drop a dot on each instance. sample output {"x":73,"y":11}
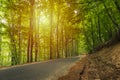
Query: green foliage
{"x":46,"y":29}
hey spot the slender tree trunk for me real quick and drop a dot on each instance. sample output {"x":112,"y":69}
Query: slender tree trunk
{"x":73,"y":48}
{"x":58,"y":55}
{"x":51,"y":22}
{"x":36,"y":35}
{"x":92,"y":33}
{"x":44,"y":50}
{"x":66,"y":47}
{"x":62,"y":41}
{"x":30,"y":38}
{"x":36,"y":47}
{"x":99,"y":29}
{"x":0,"y":49}
{"x":76,"y":47}
{"x":19,"y":39}
{"x":28,"y":48}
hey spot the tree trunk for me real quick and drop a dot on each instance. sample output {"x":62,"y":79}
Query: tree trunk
{"x":51,"y":22}
{"x":62,"y":41}
{"x":58,"y":55}
{"x":30,"y":38}
{"x":0,"y":48}
{"x":92,"y":33}
{"x":36,"y":35}
{"x":66,"y":47}
{"x":99,"y":29}
{"x":19,"y":38}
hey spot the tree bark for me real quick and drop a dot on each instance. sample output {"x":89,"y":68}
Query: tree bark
{"x":0,"y":48}
{"x":51,"y":24}
{"x":30,"y":38}
{"x":92,"y":33}
{"x":58,"y":55}
{"x":19,"y":38}
{"x":99,"y":29}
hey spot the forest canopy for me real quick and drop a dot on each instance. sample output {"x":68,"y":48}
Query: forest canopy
{"x":36,"y":30}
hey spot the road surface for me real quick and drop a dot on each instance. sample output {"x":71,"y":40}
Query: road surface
{"x":49,"y":70}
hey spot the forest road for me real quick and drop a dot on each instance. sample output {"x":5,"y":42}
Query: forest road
{"x":46,"y":70}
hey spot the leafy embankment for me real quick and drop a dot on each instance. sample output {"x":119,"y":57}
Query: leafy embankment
{"x":106,"y":63}
{"x":102,"y":65}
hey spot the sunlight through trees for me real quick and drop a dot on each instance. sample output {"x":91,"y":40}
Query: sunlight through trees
{"x":36,"y":30}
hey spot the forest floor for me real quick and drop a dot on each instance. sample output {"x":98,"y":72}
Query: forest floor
{"x":102,"y":65}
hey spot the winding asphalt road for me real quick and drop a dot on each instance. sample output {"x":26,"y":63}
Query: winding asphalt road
{"x":45,"y":70}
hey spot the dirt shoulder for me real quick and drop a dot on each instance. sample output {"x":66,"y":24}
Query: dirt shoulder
{"x":74,"y":73}
{"x":102,"y":65}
